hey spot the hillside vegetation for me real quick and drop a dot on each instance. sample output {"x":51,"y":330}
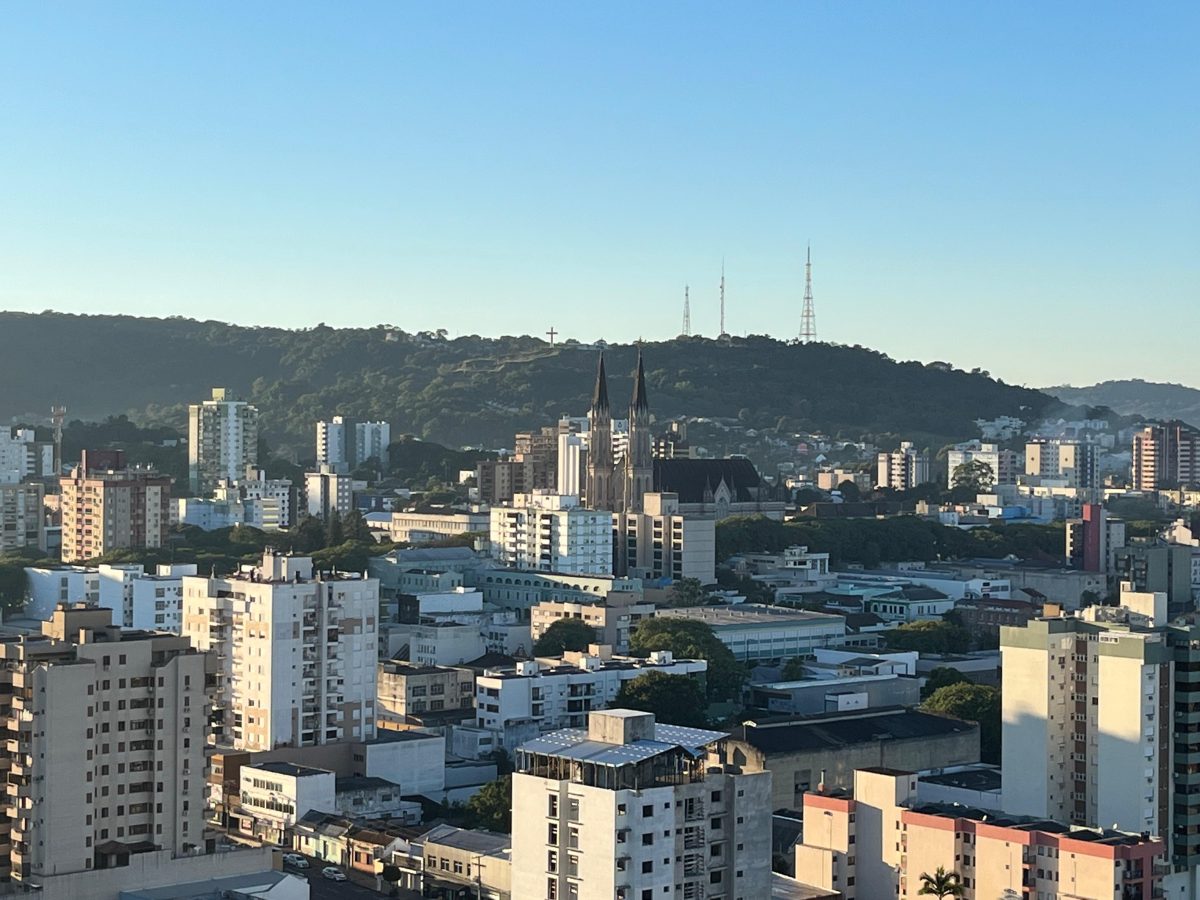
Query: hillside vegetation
{"x":472,"y":390}
{"x":1134,"y":397}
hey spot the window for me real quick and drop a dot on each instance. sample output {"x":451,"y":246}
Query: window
{"x":552,"y":861}
{"x":647,"y":839}
{"x":647,"y":811}
{"x":553,"y":805}
{"x":647,"y":867}
{"x":552,"y":834}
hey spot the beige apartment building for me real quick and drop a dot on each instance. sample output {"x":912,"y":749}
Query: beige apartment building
{"x":406,"y":689}
{"x":107,"y":506}
{"x":22,"y":519}
{"x":613,"y":618}
{"x":105,"y":732}
{"x":878,"y":840}
{"x":222,"y":440}
{"x":297,"y":650}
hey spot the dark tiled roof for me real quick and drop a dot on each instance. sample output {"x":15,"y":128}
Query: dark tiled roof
{"x":691,"y":479}
{"x":836,"y":731}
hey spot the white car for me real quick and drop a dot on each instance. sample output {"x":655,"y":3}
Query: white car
{"x":333,"y":873}
{"x":296,"y":860}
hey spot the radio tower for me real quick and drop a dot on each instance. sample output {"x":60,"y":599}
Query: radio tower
{"x":687,"y":313}
{"x":808,"y":319}
{"x":723,"y":334}
{"x":58,"y":415}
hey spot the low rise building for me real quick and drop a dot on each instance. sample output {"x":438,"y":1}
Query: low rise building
{"x":427,"y":527}
{"x":274,"y":795}
{"x":405,"y":690}
{"x":803,"y":753}
{"x":879,"y":841}
{"x":140,"y":600}
{"x":537,"y":696}
{"x":447,"y":861}
{"x":757,"y":633}
{"x":612,"y":619}
{"x":48,"y":586}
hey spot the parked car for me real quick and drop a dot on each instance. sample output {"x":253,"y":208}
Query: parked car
{"x":333,"y":873}
{"x":296,"y":860}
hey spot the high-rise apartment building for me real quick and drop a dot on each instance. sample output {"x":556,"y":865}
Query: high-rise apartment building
{"x":108,"y":506}
{"x":630,"y":809}
{"x":297,"y":648}
{"x":659,"y":542}
{"x":222,"y":440}
{"x":343,"y":444}
{"x":1166,"y":456}
{"x":1075,"y":462}
{"x":903,"y":469}
{"x":105,"y":745}
{"x":1093,"y":539}
{"x":327,"y":492}
{"x":1003,"y":463}
{"x":23,"y":456}
{"x":552,"y":533}
{"x":22,"y":519}
{"x":879,"y":840}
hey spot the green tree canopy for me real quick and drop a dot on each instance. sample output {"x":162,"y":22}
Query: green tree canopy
{"x":692,"y":639}
{"x":491,"y":807}
{"x":975,"y":703}
{"x":674,"y":699}
{"x":688,"y":592}
{"x":941,"y":884}
{"x":932,"y":637}
{"x":940,"y":677}
{"x":975,"y":476}
{"x":793,"y":669}
{"x":563,"y":635}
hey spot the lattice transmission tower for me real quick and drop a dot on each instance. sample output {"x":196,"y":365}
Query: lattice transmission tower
{"x":808,"y":318}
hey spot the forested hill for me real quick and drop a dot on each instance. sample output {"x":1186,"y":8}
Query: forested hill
{"x":472,"y":390}
{"x":1144,"y":399}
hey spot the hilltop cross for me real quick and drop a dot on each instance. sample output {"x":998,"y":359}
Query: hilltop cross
{"x":552,"y":333}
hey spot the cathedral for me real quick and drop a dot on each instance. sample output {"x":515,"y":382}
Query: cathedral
{"x":621,"y":485}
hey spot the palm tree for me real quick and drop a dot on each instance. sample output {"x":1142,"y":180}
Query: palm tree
{"x":941,"y":884}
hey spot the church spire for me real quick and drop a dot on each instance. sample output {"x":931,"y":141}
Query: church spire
{"x":600,"y":395}
{"x":639,"y":402}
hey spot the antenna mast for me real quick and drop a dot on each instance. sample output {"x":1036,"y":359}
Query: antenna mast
{"x":723,"y":334}
{"x":58,"y":415}
{"x":808,"y":318}
{"x":687,"y":313}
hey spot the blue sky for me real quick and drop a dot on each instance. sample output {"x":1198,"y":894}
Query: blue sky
{"x":1013,"y":186}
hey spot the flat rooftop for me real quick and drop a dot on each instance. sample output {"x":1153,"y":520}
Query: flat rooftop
{"x":750,"y":615}
{"x":574,"y":743}
{"x":836,"y":731}
{"x":1029,"y":823}
{"x":473,"y":841}
{"x":287,"y":768}
{"x":983,"y":778}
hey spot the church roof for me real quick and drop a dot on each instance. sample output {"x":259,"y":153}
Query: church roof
{"x":639,"y":402}
{"x":600,"y":395}
{"x":693,"y":479}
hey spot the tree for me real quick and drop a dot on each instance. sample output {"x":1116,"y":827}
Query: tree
{"x":931,"y":637}
{"x":674,"y":699}
{"x":976,"y":703}
{"x":392,"y":875}
{"x":941,"y":884}
{"x":849,"y":491}
{"x":940,"y":677}
{"x":692,"y":639}
{"x":563,"y":635}
{"x":793,"y":669}
{"x":975,"y":477}
{"x":491,"y":807}
{"x":334,"y":533}
{"x":354,"y":526}
{"x":688,"y":592}
{"x":309,"y":535}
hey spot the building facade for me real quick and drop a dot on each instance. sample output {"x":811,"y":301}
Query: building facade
{"x":1075,"y":462}
{"x":105,"y":753}
{"x":903,"y":469}
{"x":1166,"y":457}
{"x":222,"y":440}
{"x":629,"y":809}
{"x":1003,"y":463}
{"x":297,"y":649}
{"x":757,"y":633}
{"x":22,"y":519}
{"x":659,"y":543}
{"x":552,"y":533}
{"x":404,"y":690}
{"x":327,"y":492}
{"x":138,"y":599}
{"x":1092,"y":540}
{"x":107,"y":506}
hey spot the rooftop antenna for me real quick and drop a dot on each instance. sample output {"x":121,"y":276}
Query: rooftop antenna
{"x":808,"y":318}
{"x":723,"y":333}
{"x":687,"y":313}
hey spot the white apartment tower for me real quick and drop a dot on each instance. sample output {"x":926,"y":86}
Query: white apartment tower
{"x":105,"y":745}
{"x":552,"y":533}
{"x":1087,"y":721}
{"x":902,"y":469}
{"x":343,"y":444}
{"x":333,"y":444}
{"x":327,"y":492}
{"x":222,"y":440}
{"x":628,"y":809}
{"x":297,"y":650}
